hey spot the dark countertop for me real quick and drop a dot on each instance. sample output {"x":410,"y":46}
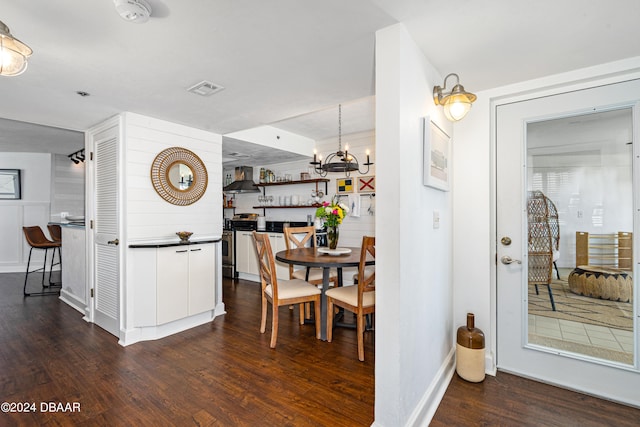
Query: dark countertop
{"x":169,"y":243}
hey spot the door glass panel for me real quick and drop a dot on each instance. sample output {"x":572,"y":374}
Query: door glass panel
{"x":580,"y":223}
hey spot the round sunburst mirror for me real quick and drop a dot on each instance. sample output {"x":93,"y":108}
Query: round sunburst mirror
{"x":179,"y":176}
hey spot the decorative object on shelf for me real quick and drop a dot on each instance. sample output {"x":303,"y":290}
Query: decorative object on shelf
{"x":470,"y":351}
{"x":340,"y":161}
{"x":77,"y":157}
{"x":184,"y":236}
{"x":457,"y":102}
{"x":10,"y":184}
{"x":13,"y":52}
{"x":332,"y":213}
{"x":179,"y":176}
{"x":436,"y":156}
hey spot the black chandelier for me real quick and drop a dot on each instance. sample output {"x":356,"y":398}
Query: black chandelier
{"x":340,"y":161}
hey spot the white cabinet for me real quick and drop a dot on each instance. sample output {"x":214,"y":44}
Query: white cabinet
{"x":185,"y":281}
{"x":246,"y":259}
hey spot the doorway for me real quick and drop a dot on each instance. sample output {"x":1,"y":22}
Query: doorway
{"x":564,"y":166}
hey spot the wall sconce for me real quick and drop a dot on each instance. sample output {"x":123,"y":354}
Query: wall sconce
{"x":457,"y":102}
{"x":13,"y":53}
{"x":77,"y":157}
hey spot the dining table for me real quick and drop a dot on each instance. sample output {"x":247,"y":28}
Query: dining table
{"x":318,"y":258}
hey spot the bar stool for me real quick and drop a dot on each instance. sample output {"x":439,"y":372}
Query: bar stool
{"x":37,"y":240}
{"x":55,"y":231}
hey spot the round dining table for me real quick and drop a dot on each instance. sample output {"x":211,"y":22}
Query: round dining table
{"x":310,"y":257}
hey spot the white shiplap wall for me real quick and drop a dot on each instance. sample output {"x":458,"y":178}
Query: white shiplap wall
{"x":148,"y":215}
{"x":352,"y":228}
{"x":67,"y":187}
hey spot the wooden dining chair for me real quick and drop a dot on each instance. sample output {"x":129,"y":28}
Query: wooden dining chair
{"x":281,"y":292}
{"x":359,"y":299}
{"x":300,"y":237}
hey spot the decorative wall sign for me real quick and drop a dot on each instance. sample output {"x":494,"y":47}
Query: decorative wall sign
{"x":436,"y":156}
{"x":179,"y":176}
{"x":344,"y":185}
{"x":10,"y":184}
{"x":367,"y":184}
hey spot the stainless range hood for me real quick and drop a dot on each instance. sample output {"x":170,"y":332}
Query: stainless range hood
{"x":243,"y":182}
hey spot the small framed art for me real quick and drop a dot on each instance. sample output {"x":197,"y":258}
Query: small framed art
{"x":344,"y":185}
{"x":436,"y":156}
{"x":10,"y":184}
{"x":367,"y":184}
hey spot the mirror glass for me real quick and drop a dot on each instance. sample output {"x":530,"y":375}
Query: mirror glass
{"x":580,"y":224}
{"x":180,"y":176}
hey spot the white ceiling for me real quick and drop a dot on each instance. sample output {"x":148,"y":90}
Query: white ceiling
{"x":288,"y":63}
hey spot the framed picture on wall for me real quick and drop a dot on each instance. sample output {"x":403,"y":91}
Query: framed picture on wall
{"x":344,"y":185}
{"x":436,"y":156}
{"x":10,"y":184}
{"x":367,"y":184}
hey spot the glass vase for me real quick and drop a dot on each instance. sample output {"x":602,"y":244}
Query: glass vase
{"x":333,"y":233}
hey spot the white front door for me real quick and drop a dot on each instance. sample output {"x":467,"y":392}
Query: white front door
{"x":106,"y":295}
{"x":517,"y":352}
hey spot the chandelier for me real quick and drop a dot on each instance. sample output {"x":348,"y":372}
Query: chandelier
{"x":340,"y":161}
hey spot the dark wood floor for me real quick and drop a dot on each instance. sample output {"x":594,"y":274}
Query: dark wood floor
{"x":225,"y":374}
{"x":222,"y":373}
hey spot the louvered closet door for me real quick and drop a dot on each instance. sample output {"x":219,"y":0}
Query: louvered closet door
{"x":106,"y":230}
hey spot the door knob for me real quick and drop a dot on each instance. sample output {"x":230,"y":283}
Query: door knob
{"x":507,"y":260}
{"x":113,"y":242}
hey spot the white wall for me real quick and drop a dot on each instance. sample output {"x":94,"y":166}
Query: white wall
{"x":67,"y":187}
{"x":414,"y":329}
{"x":474,"y":241}
{"x":32,"y":209}
{"x":145,"y":139}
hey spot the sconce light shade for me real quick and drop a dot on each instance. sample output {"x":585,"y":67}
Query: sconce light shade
{"x":13,"y":53}
{"x":456,"y":103}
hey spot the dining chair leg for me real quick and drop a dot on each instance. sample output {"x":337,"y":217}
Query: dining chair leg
{"x":26,"y":275}
{"x":316,"y":305}
{"x":274,"y":326}
{"x":329,"y":320}
{"x":301,"y":310}
{"x":263,"y":319}
{"x":360,"y":332}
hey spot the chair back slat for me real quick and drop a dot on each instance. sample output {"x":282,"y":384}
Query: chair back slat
{"x":366,"y":282}
{"x":266,"y":263}
{"x":293,"y":240}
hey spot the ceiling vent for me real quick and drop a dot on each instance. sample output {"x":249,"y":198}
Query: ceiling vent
{"x":137,"y":11}
{"x":205,"y":88}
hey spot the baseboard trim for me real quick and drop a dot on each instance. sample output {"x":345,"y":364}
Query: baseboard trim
{"x":72,"y":301}
{"x":426,"y":408}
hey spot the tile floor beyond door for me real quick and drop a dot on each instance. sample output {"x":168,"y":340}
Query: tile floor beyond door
{"x":582,"y":333}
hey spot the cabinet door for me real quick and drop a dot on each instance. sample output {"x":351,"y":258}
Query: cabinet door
{"x":202,"y":280}
{"x":278,"y":244}
{"x":246,"y":260}
{"x":172,"y":284}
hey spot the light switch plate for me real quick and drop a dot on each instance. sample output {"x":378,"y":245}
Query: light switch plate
{"x":436,"y":219}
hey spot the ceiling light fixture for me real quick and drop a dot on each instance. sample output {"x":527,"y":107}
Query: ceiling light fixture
{"x":457,"y":102}
{"x":13,"y":53}
{"x":340,"y":161}
{"x":137,"y":11}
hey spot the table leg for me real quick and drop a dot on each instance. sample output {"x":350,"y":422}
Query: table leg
{"x":323,"y":304}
